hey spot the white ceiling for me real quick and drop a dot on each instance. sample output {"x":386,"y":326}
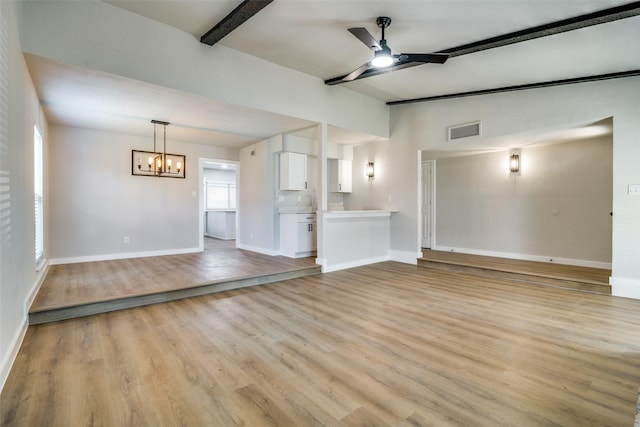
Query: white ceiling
{"x":96,"y":100}
{"x":311,"y":36}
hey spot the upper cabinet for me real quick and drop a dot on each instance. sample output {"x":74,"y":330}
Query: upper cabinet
{"x":339,"y":176}
{"x":293,"y":171}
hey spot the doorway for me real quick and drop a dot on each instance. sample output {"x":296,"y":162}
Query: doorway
{"x":218,"y":196}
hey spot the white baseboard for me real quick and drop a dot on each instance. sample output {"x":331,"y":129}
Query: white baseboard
{"x":351,"y":264}
{"x":12,"y":353}
{"x":219,"y":237}
{"x":622,"y":287}
{"x":124,"y":255}
{"x":257,"y":249}
{"x":406,"y":257}
{"x":42,"y":273}
{"x":526,"y":257}
{"x":16,"y":343}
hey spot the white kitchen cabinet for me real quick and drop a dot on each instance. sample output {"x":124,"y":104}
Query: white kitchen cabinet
{"x":339,"y":176}
{"x":298,"y":236}
{"x":293,"y":171}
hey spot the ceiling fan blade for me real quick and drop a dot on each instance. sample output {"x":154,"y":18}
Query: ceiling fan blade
{"x":372,"y":71}
{"x":365,"y":37}
{"x":356,"y":73}
{"x":433,"y":58}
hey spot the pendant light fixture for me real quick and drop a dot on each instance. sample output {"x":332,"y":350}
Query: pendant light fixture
{"x":156,"y":162}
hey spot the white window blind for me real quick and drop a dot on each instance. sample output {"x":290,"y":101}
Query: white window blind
{"x":220,"y":195}
{"x":38,"y":193}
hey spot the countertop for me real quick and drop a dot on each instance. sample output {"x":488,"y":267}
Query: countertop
{"x":365,"y":213}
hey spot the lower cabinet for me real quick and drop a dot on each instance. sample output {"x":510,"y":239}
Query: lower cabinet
{"x":298,"y":237}
{"x":220,"y":224}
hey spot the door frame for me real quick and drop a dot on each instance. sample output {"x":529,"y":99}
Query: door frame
{"x":428,"y":187}
{"x":201,"y":196}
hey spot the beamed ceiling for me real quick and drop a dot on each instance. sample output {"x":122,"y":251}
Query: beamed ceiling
{"x":512,"y":44}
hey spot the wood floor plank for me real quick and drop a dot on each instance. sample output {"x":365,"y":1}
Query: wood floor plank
{"x":388,"y":344}
{"x":308,"y":411}
{"x":363,"y":417}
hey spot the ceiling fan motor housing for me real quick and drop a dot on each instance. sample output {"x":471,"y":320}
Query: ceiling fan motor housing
{"x":383,"y":22}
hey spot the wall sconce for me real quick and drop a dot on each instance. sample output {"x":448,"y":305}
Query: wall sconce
{"x":370,"y":170}
{"x":514,"y":163}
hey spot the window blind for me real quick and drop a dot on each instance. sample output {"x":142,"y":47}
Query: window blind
{"x":220,"y":195}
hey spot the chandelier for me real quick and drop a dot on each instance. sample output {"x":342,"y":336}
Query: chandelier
{"x":156,"y":162}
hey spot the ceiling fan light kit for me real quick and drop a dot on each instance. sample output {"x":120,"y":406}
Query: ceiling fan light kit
{"x":382,"y":57}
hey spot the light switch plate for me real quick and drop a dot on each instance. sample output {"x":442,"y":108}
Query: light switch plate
{"x":634,"y":189}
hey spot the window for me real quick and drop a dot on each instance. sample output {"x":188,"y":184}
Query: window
{"x":220,"y":195}
{"x":38,"y":193}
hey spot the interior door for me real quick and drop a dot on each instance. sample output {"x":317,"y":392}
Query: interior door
{"x":427,"y":176}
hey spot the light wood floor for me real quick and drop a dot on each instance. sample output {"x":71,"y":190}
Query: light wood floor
{"x":382,"y":345}
{"x":90,"y":282}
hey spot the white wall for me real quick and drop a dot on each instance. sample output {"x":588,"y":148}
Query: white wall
{"x":422,"y":126}
{"x":19,"y":111}
{"x":256,"y":197}
{"x":557,"y":208}
{"x":377,"y":192}
{"x":353,"y":239}
{"x":96,"y":201}
{"x":393,"y":188}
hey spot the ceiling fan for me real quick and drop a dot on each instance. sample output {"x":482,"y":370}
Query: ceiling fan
{"x":383,"y":59}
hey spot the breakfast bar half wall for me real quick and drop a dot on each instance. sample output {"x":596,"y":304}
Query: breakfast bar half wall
{"x":353,"y":238}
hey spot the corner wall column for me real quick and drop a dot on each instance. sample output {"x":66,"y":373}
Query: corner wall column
{"x":321,"y":190}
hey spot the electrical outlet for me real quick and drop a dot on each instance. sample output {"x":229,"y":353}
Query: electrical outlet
{"x":126,"y":240}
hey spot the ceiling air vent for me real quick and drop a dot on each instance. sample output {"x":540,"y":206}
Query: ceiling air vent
{"x":463,"y":131}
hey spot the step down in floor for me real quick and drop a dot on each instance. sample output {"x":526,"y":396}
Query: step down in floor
{"x":519,"y":276}
{"x":88,"y":309}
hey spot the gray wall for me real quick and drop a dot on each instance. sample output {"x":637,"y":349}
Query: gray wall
{"x":96,"y":201}
{"x":422,"y":126}
{"x":256,"y":197}
{"x":557,"y":208}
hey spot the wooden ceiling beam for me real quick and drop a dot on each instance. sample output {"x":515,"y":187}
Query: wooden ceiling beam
{"x":595,"y":18}
{"x":237,"y":17}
